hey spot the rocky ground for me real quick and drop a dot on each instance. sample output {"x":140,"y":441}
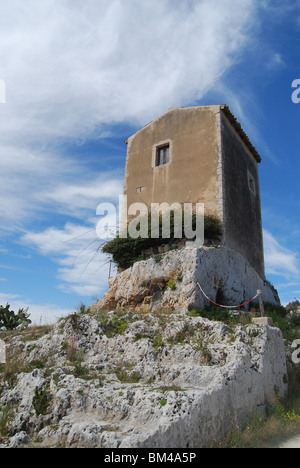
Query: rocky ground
{"x":136,"y":380}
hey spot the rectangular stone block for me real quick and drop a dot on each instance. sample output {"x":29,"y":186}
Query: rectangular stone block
{"x":2,"y":352}
{"x":263,"y":321}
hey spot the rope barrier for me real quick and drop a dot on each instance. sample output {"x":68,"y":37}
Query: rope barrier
{"x":228,"y":307}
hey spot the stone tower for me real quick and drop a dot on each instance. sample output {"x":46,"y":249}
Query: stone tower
{"x":201,"y":154}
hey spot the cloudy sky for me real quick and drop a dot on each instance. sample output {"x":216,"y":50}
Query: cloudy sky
{"x":77,"y":78}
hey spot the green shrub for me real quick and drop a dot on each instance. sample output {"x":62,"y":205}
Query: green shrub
{"x":126,"y":377}
{"x":38,"y":364}
{"x":217,"y":314}
{"x":79,"y":371}
{"x":121,"y":326}
{"x":127,"y":251}
{"x":277,"y":314}
{"x":41,"y":401}
{"x":116,"y":326}
{"x":157,"y":342}
{"x":183,"y":335}
{"x":6,"y":417}
{"x":280,"y":322}
{"x":171,"y":284}
{"x":280,"y":311}
{"x":212,"y":227}
{"x":163,"y":402}
{"x":294,"y":319}
{"x":82,"y":309}
{"x":124,"y":251}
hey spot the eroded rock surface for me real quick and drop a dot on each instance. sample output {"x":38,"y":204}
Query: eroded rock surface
{"x":172,"y":280}
{"x":138,"y":380}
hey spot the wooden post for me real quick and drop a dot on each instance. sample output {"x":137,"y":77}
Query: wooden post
{"x":261,"y":304}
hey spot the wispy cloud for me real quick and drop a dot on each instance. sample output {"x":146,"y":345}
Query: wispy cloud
{"x":75,"y":65}
{"x":25,"y":175}
{"x":276,"y":61}
{"x":5,"y":297}
{"x":38,"y":181}
{"x":73,"y":198}
{"x":82,"y":267}
{"x":278,"y":259}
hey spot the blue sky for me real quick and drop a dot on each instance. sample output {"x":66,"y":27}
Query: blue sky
{"x":81,"y":77}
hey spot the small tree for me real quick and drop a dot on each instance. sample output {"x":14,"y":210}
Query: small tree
{"x":10,"y":320}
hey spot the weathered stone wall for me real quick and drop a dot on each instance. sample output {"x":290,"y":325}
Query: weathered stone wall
{"x":191,"y":175}
{"x":242,"y":211}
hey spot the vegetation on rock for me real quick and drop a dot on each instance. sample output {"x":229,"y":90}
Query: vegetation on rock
{"x":127,"y":251}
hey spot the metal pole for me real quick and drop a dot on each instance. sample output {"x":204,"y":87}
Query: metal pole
{"x":109,"y":269}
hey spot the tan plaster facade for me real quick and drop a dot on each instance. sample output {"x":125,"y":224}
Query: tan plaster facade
{"x":210,"y":161}
{"x":194,"y":159}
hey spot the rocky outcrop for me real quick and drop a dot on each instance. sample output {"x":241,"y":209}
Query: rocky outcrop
{"x":171,"y":280}
{"x":138,"y":380}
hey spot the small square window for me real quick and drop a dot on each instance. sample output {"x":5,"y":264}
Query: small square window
{"x":162,"y":155}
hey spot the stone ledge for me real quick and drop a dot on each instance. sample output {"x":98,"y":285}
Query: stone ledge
{"x":2,"y":352}
{"x":263,"y":321}
{"x":224,"y":275}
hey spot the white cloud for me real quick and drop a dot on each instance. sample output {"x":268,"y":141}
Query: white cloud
{"x":88,"y":195}
{"x":39,"y":314}
{"x":279,"y":260}
{"x":276,"y":61}
{"x":32,"y":182}
{"x":4,"y":298}
{"x":82,"y":267}
{"x":71,"y":66}
{"x":26,"y":174}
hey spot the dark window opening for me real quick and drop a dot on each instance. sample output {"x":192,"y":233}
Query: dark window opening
{"x":251,"y":183}
{"x":162,"y":155}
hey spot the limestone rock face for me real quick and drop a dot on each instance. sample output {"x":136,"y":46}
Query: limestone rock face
{"x":172,"y":280}
{"x":139,"y":380}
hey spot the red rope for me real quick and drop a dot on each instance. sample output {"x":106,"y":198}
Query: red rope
{"x":226,"y":307}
